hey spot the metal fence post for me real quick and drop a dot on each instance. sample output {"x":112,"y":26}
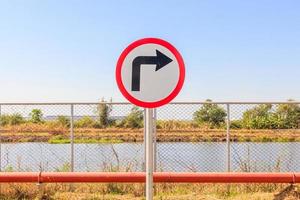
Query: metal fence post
{"x":72,"y":138}
{"x":228,"y":137}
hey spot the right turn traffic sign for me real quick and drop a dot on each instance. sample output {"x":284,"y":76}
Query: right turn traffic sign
{"x":150,"y":72}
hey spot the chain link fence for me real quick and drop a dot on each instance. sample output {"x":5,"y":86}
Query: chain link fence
{"x":197,"y":137}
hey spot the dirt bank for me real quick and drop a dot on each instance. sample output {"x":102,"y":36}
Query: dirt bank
{"x":19,"y":134}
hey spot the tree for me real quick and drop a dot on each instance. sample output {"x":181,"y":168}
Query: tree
{"x":36,"y":116}
{"x":264,"y":117}
{"x":210,"y":114}
{"x":288,"y":115}
{"x":103,"y":111}
{"x":259,"y":117}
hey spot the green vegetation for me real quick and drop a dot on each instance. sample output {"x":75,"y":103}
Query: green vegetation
{"x":286,"y":116}
{"x":261,"y":123}
{"x":133,"y":120}
{"x":85,"y":122}
{"x":36,"y":116}
{"x":60,"y":139}
{"x":63,"y":121}
{"x":289,"y":115}
{"x":66,"y":167}
{"x":210,"y":114}
{"x":259,"y":117}
{"x":11,"y":120}
{"x":9,"y":168}
{"x":103,"y":111}
{"x":236,"y":124}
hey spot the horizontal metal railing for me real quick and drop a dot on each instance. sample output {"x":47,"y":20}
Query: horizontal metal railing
{"x":139,"y":177}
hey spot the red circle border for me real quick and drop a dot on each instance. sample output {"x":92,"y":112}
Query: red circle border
{"x":180,"y":82}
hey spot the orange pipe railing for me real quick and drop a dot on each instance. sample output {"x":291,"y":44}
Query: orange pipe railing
{"x":139,"y":177}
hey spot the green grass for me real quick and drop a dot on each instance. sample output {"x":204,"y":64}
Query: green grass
{"x":267,"y":139}
{"x":62,"y":140}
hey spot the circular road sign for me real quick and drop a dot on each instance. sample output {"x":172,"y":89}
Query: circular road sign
{"x":150,"y":72}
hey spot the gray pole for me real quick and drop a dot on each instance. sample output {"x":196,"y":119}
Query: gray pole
{"x":228,"y":136}
{"x":154,"y":140}
{"x":72,"y":138}
{"x":149,"y":154}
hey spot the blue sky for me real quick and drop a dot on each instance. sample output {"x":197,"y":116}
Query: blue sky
{"x":67,"y":50}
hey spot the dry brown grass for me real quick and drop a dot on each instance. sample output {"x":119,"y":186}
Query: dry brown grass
{"x":43,"y":132}
{"x":136,"y":191}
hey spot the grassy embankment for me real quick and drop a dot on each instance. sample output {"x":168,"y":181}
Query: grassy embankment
{"x":113,"y":191}
{"x":58,"y":134}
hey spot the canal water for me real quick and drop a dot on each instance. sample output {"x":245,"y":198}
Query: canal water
{"x":200,"y":157}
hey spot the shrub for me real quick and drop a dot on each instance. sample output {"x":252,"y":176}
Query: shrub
{"x":85,"y":122}
{"x":211,"y":114}
{"x":260,"y":117}
{"x":133,"y":120}
{"x":257,"y":117}
{"x":9,"y":168}
{"x":63,"y":121}
{"x":36,"y":116}
{"x":288,"y":116}
{"x":14,"y":119}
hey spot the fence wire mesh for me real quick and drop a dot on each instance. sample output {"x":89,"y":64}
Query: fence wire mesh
{"x":261,"y":137}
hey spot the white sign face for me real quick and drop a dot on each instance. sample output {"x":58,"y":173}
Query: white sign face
{"x":150,"y":74}
{"x":154,"y":85}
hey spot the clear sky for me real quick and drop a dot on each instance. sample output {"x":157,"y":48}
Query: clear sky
{"x":59,"y":50}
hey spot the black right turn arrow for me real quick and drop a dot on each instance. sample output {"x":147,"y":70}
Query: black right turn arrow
{"x":160,"y":60}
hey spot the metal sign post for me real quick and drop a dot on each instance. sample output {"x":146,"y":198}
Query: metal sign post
{"x":150,"y":73}
{"x":149,"y":153}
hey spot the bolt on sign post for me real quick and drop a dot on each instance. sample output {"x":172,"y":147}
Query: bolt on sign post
{"x":150,"y":73}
